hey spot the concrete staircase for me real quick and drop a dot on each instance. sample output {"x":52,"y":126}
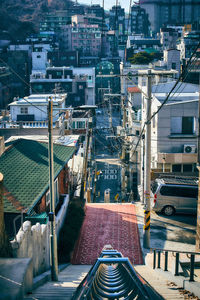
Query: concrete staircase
{"x":71,"y":276}
{"x":166,"y":289}
{"x":158,"y":277}
{"x":68,"y":281}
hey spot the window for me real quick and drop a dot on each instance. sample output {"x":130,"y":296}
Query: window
{"x":187,"y":125}
{"x":24,"y":110}
{"x":173,"y":66}
{"x":187,"y":168}
{"x":77,"y":98}
{"x":81,"y":124}
{"x":182,"y":125}
{"x":176,"y":168}
{"x":179,"y":191}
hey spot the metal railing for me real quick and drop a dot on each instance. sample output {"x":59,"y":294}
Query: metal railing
{"x":112,"y":277}
{"x":157,"y":260}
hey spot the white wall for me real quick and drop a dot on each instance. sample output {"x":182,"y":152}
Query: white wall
{"x":34,"y":241}
{"x":91,"y":97}
{"x":39,"y":61}
{"x":40,"y":112}
{"x":90,"y":82}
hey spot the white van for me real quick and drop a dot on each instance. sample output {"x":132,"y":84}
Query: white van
{"x":172,"y":195}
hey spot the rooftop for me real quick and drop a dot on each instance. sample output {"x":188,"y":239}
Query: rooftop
{"x":41,"y":99}
{"x":179,"y":181}
{"x":182,"y":92}
{"x":134,"y":89}
{"x":24,"y":166}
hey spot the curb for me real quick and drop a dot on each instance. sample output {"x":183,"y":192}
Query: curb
{"x":46,"y":276}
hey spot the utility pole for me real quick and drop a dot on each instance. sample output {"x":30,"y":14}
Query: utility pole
{"x":123,"y":154}
{"x":110,"y":107}
{"x":85,"y":162}
{"x":198,"y":167}
{"x":142,"y":177}
{"x":53,"y":239}
{"x":147,"y":169}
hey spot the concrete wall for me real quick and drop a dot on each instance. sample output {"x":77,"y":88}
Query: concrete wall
{"x":39,"y":111}
{"x":33,"y":241}
{"x":164,"y":140}
{"x":172,"y":56}
{"x":39,"y":61}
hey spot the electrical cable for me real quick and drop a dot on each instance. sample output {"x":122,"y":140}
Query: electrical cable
{"x":13,"y":71}
{"x":182,"y":76}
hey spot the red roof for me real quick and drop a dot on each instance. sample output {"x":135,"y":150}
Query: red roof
{"x":134,"y":89}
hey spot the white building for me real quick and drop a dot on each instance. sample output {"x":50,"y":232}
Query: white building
{"x":89,"y":74}
{"x":39,"y":57}
{"x":174,"y":128}
{"x":172,"y":59}
{"x":77,"y":81}
{"x":34,"y":108}
{"x":168,"y":37}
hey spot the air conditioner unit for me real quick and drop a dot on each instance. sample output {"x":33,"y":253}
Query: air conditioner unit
{"x":189,"y":149}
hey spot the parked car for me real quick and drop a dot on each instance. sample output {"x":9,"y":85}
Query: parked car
{"x":174,"y":195}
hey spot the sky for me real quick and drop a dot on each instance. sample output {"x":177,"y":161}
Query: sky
{"x":109,"y":3}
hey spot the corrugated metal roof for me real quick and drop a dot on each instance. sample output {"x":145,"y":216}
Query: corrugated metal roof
{"x":182,"y":87}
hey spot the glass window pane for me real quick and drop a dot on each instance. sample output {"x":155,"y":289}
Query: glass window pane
{"x":187,"y":168}
{"x":176,"y":168}
{"x":176,"y":125}
{"x":187,"y":125}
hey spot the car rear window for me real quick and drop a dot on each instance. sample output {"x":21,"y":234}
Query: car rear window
{"x":154,"y":187}
{"x":190,"y":192}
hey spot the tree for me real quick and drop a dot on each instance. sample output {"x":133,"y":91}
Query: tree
{"x":143,"y":58}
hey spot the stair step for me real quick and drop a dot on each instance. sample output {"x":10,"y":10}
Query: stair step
{"x":160,"y":284}
{"x":68,"y":281}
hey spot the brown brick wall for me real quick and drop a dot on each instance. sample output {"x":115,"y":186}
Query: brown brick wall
{"x":61,"y":182}
{"x":42,"y":207}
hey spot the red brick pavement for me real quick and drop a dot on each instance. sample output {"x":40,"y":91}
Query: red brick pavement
{"x":113,"y":224}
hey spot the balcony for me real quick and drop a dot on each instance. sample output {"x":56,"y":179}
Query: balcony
{"x":177,"y":158}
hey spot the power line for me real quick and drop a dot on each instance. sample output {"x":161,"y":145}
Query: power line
{"x":13,"y":71}
{"x":182,"y":76}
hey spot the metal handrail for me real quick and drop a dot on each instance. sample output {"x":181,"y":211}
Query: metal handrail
{"x":112,"y":277}
{"x":171,"y":250}
{"x":177,"y":260}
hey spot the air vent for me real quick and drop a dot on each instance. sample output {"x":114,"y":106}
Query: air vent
{"x":189,"y":149}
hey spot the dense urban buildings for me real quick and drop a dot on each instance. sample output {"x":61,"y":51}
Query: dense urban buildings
{"x":164,"y":12}
{"x":99,"y":121}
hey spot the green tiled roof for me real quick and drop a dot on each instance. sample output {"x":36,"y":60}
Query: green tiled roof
{"x":26,"y":172}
